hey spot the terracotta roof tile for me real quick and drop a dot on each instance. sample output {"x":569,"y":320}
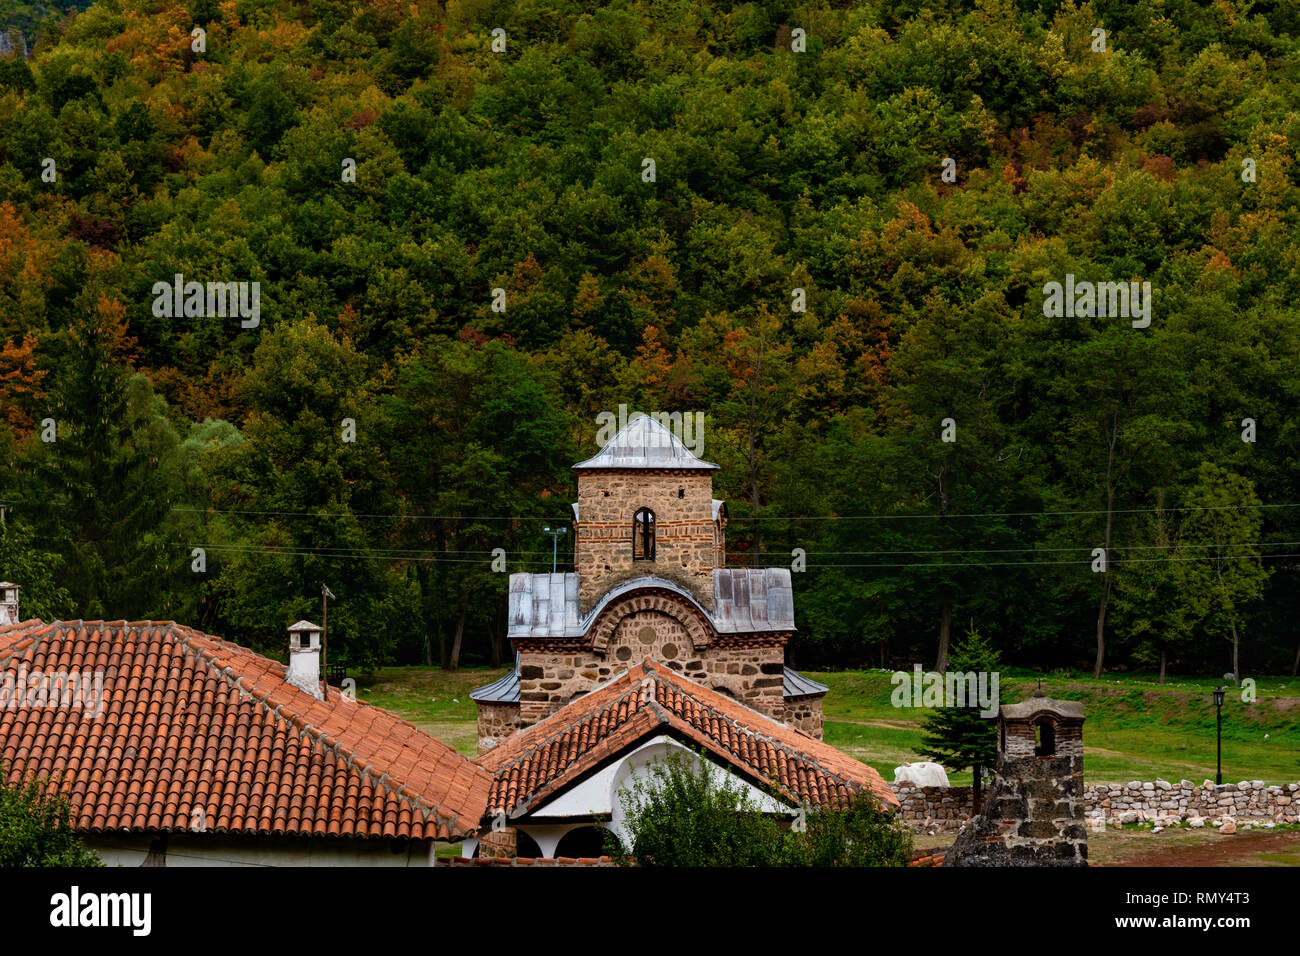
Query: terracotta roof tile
{"x":649,"y":699}
{"x":199,"y":731}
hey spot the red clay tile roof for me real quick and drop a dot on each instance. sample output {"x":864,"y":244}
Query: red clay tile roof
{"x":648,"y":700}
{"x":193,"y":723}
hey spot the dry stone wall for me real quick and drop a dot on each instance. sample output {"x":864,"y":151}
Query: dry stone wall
{"x":1166,"y":803}
{"x":933,"y":809}
{"x":947,"y":809}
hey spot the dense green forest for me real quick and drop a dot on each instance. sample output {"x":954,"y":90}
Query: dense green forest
{"x":648,"y":184}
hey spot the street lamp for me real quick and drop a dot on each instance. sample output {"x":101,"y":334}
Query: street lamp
{"x":555,"y":542}
{"x":1218,"y":707}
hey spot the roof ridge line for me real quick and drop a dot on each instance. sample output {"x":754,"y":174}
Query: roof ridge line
{"x":569,"y":729}
{"x":27,"y":639}
{"x":358,"y":763}
{"x":779,"y":746}
{"x":783,"y":748}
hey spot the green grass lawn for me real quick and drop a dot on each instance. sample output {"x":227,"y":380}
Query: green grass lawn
{"x":1135,"y":729}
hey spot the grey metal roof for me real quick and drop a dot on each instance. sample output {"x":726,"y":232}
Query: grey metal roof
{"x":502,"y":691}
{"x":645,"y":443}
{"x":752,"y":599}
{"x":544,"y":605}
{"x":796,"y":685}
{"x":1027,"y":708}
{"x":744,"y":600}
{"x":717,"y":506}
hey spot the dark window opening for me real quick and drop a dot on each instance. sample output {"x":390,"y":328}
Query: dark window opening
{"x":1044,"y":740}
{"x":643,"y":536}
{"x":681,"y":492}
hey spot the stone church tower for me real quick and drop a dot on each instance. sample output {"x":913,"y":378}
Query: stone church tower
{"x":650,"y":581}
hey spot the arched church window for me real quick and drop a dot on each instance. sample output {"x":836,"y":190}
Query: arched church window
{"x":643,"y":536}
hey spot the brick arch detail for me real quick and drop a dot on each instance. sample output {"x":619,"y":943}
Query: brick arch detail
{"x":699,"y":631}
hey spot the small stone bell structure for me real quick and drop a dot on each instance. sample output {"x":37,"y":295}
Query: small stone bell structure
{"x":1033,"y":812}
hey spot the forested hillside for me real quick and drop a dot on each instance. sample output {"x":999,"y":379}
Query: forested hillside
{"x":648,"y":184}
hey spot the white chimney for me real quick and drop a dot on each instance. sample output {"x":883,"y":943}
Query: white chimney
{"x":8,"y":603}
{"x":304,"y":658}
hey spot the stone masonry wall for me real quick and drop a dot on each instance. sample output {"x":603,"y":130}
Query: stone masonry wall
{"x":933,"y":809}
{"x":533,"y":861}
{"x":685,"y":537}
{"x":946,"y":809}
{"x":805,"y":713}
{"x":750,"y":674}
{"x":1033,"y":815}
{"x":1163,"y":802}
{"x":496,"y":722}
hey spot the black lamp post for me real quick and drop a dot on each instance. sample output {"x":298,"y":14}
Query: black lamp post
{"x":1218,"y":706}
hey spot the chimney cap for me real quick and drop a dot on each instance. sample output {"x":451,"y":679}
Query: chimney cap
{"x":303,"y":626}
{"x":8,"y":584}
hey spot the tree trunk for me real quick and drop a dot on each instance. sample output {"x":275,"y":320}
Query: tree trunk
{"x":424,"y":579}
{"x":443,"y":661}
{"x":1110,"y":515}
{"x":1295,"y":666}
{"x":753,"y":460}
{"x":945,"y":629}
{"x":945,"y":612}
{"x":497,"y":636}
{"x":1236,"y":650}
{"x":1162,"y":665}
{"x":454,"y":663}
{"x":1101,"y":627}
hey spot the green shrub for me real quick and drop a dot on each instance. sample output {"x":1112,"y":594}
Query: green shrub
{"x":36,"y":828}
{"x":678,"y":814}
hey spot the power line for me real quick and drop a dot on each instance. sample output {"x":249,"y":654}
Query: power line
{"x":877,"y":517}
{"x":971,"y":514}
{"x":1084,"y":547}
{"x":362,"y":514}
{"x":955,"y":565}
{"x":355,"y":553}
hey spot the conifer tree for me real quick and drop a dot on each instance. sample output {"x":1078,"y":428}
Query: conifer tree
{"x":959,"y":736}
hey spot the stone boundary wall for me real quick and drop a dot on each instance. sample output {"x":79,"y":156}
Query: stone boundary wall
{"x":946,"y":809}
{"x":934,"y":809}
{"x":1165,"y":803}
{"x":534,"y":861}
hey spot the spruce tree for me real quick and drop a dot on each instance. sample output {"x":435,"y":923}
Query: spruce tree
{"x":959,"y":736}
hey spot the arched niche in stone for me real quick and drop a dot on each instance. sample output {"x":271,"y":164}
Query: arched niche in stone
{"x":645,"y":624}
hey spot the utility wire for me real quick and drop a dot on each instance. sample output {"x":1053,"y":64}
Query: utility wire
{"x":983,"y":514}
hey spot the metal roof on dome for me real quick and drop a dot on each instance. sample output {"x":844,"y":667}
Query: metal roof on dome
{"x":644,"y":442}
{"x":795,"y":684}
{"x":745,"y":600}
{"x":502,"y":691}
{"x":506,"y":689}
